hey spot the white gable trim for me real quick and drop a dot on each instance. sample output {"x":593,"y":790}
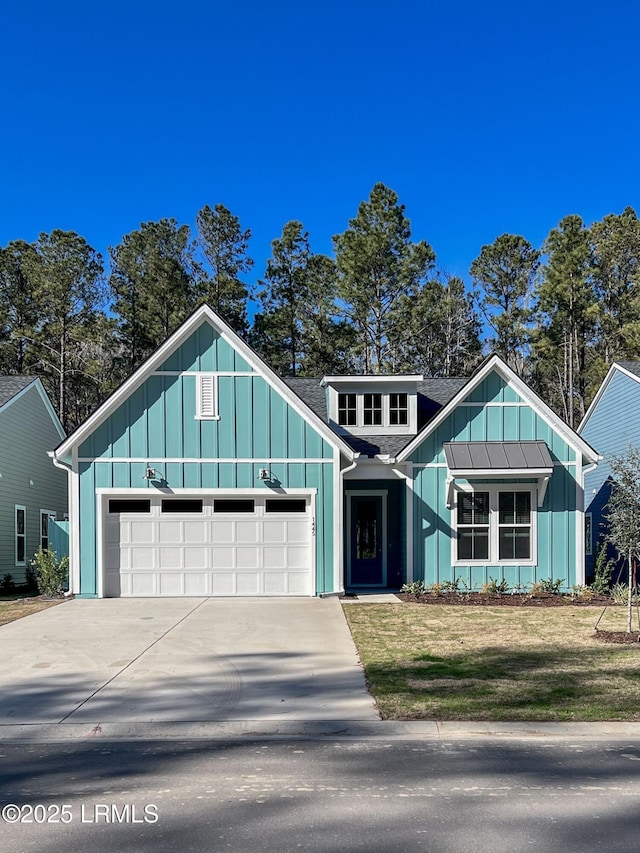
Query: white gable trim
{"x":202,"y":314}
{"x":496,"y":364}
{"x":37,"y":384}
{"x":615,"y":368}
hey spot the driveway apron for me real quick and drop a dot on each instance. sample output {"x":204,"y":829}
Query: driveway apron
{"x":182,"y":660}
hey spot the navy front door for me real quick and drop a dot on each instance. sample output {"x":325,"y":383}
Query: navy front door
{"x":367,"y":557}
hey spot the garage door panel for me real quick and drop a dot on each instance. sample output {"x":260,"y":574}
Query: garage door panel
{"x":141,"y":584}
{"x":248,"y":531}
{"x":170,"y":583}
{"x":195,"y":558}
{"x":247,"y":557}
{"x":170,"y":532}
{"x":157,"y":553}
{"x":247,"y":583}
{"x":196,"y":583}
{"x":196,"y":531}
{"x":222,"y":558}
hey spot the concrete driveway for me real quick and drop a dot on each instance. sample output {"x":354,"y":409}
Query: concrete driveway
{"x":181,"y":660}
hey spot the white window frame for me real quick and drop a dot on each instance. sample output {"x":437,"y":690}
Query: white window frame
{"x":50,"y":513}
{"x":360,"y":428}
{"x":211,"y":412}
{"x":494,"y":524}
{"x":588,"y":534}
{"x":17,"y":535}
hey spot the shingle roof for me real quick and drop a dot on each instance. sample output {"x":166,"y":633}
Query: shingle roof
{"x":497,"y":455}
{"x":433,"y":394}
{"x":631,"y":366}
{"x":12,"y":385}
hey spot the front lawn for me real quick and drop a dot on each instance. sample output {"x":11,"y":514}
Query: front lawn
{"x":15,"y":608}
{"x":495,"y":663}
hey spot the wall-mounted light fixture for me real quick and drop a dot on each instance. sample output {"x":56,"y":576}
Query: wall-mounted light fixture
{"x":263,"y":474}
{"x":150,"y":474}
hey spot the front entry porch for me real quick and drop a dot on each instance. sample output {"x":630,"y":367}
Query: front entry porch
{"x":375,"y":534}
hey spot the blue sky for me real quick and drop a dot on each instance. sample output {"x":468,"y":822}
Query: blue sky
{"x":485,"y":118}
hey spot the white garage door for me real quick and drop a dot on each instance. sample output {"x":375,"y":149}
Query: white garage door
{"x":213,"y":545}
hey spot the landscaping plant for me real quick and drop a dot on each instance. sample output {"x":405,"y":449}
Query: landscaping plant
{"x":51,"y":573}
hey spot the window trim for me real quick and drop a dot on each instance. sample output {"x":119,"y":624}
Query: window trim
{"x":494,"y":524}
{"x":212,"y":413}
{"x":16,"y":535}
{"x":49,"y":514}
{"x":359,"y":427}
{"x":588,"y":534}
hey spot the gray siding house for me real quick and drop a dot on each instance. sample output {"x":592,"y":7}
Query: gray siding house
{"x":31,"y":489}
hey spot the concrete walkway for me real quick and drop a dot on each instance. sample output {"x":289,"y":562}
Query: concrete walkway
{"x":143,"y":661}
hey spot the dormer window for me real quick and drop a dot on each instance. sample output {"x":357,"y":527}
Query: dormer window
{"x":398,"y":409}
{"x":372,"y":405}
{"x":372,"y":409}
{"x":347,"y":409}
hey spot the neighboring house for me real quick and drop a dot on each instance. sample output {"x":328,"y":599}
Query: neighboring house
{"x":207,"y":474}
{"x":612,"y":425}
{"x":31,"y":489}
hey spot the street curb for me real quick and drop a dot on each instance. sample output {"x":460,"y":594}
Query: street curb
{"x":317,"y":730}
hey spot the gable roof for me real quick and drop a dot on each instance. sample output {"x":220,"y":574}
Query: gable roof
{"x":433,"y":394}
{"x":203,"y":314}
{"x":13,"y":387}
{"x":496,"y":364}
{"x":630,"y":369}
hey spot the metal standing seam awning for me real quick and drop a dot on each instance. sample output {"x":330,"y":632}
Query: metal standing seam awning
{"x":496,"y":459}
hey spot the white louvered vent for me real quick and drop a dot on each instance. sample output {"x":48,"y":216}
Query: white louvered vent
{"x":206,"y":397}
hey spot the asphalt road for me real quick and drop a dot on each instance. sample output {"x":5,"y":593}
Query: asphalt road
{"x":330,"y":795}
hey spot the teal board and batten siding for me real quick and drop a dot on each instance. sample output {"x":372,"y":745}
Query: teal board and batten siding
{"x":613,"y":427}
{"x":509,"y":420}
{"x":156,"y":427}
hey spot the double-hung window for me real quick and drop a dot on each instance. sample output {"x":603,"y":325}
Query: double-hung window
{"x":473,"y":526}
{"x":21,"y":535}
{"x":398,"y":409}
{"x":347,"y":409}
{"x":372,"y":409}
{"x":495,"y":526}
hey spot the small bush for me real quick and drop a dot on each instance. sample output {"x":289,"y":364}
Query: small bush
{"x":584,"y":593}
{"x":435,"y":589}
{"x":7,"y":585}
{"x":414,"y":588}
{"x":548,"y":586}
{"x":603,"y":571}
{"x":451,"y":586}
{"x":620,"y":593}
{"x":494,"y":587}
{"x":51,"y":573}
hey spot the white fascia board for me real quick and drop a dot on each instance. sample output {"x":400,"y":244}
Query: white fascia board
{"x":370,"y":379}
{"x":615,"y":368}
{"x":500,"y":473}
{"x":202,"y":314}
{"x":495,"y":363}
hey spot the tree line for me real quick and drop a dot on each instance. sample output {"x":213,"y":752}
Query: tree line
{"x":558,"y":314}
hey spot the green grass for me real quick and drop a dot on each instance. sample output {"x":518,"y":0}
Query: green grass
{"x":12,"y":608}
{"x":495,"y":663}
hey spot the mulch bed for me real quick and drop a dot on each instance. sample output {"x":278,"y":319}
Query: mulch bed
{"x":476,"y":599}
{"x":618,"y":637}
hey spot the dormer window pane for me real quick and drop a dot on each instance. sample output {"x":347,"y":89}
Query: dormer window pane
{"x":398,"y":409}
{"x":373,"y":409}
{"x":347,"y":410}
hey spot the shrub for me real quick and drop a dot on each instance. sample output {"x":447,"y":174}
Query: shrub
{"x":494,"y":587}
{"x":414,"y":588}
{"x":7,"y":585}
{"x":451,"y":586}
{"x":51,"y":573}
{"x":585,"y":593}
{"x":620,"y":593}
{"x":603,"y":571}
{"x":547,"y":586}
